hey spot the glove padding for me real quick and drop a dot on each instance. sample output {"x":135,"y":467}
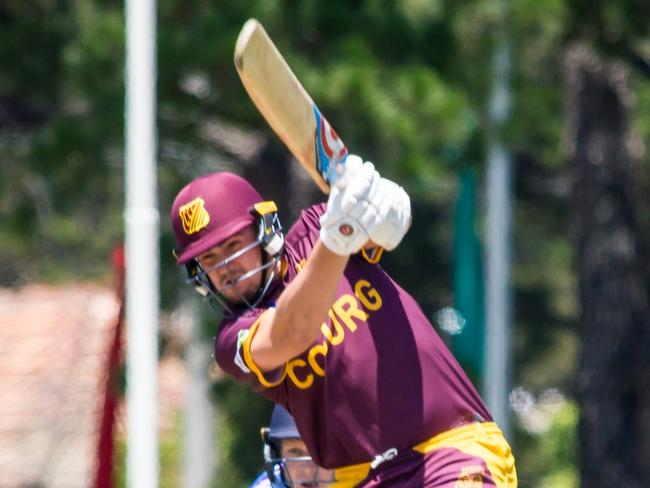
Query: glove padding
{"x":393,"y":215}
{"x":353,"y":163}
{"x":350,"y":209}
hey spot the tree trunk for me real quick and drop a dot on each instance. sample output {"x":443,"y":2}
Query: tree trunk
{"x":614,"y":373}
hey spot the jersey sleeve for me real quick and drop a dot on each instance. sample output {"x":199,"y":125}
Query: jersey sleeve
{"x":233,"y":353}
{"x":300,"y":241}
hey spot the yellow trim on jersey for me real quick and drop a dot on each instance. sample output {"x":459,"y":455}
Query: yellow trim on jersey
{"x":350,"y":476}
{"x":482,"y":440}
{"x":284,"y":267}
{"x":248,"y":359}
{"x":376,"y":254}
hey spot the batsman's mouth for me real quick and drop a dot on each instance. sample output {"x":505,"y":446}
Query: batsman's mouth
{"x":235,"y":279}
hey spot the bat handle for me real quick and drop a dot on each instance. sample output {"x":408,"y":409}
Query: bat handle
{"x":336,"y":172}
{"x":331,"y":153}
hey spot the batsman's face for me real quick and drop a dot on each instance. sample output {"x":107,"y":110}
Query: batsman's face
{"x":303,"y":472}
{"x":225,"y":274}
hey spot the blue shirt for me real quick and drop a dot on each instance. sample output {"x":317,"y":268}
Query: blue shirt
{"x":262,"y":481}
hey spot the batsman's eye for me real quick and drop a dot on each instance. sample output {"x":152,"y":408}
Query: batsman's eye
{"x":233,"y":245}
{"x":207,"y":261}
{"x":295,"y":452}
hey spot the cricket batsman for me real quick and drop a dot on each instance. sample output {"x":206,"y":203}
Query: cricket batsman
{"x":312,"y":322}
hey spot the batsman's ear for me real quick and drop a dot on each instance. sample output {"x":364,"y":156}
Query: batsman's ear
{"x":196,"y":278}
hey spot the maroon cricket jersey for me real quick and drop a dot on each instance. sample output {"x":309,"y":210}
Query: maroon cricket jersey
{"x":378,"y":377}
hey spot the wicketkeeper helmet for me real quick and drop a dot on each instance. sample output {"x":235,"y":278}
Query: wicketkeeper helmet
{"x":278,"y":468}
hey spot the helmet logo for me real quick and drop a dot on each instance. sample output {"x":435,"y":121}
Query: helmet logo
{"x":194,"y":216}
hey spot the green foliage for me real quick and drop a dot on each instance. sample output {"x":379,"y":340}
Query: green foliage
{"x":551,"y":459}
{"x":64,"y":130}
{"x":170,"y":458}
{"x":558,"y":450}
{"x":241,"y":414}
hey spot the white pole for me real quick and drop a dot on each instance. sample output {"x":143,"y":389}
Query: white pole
{"x":498,"y":237}
{"x":142,"y":253}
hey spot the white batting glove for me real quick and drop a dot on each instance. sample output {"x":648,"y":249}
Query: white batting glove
{"x":353,"y":163}
{"x":349,"y":210}
{"x":393,"y":215}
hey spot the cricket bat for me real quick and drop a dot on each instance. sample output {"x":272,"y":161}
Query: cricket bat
{"x":287,"y":107}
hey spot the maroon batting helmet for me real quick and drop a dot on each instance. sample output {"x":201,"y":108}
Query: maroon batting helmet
{"x":209,"y":210}
{"x":213,"y":208}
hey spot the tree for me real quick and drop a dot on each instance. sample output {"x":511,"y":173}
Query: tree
{"x":613,"y":386}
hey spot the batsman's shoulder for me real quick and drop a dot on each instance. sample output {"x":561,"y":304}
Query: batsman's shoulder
{"x":306,"y":229}
{"x":310,"y":216}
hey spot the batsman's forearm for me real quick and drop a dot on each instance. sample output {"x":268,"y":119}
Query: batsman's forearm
{"x":303,"y":305}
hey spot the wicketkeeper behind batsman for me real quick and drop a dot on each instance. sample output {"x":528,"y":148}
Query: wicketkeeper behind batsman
{"x":315,"y":324}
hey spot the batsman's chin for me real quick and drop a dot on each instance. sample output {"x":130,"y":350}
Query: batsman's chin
{"x":240,"y":293}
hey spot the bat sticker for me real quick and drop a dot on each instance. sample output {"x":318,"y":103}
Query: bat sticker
{"x":330,"y":150}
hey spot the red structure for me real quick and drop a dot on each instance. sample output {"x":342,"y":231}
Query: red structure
{"x":112,"y":391}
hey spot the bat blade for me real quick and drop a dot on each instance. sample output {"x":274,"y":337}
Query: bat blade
{"x":287,"y":107}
